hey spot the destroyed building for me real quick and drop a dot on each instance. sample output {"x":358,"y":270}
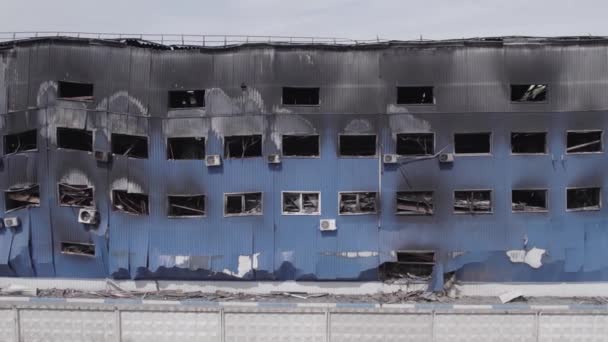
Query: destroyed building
{"x":131,"y":159}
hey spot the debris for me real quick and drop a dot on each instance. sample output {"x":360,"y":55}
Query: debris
{"x":75,"y":195}
{"x":472,"y":201}
{"x":129,"y":202}
{"x":243,"y":203}
{"x":186,"y":206}
{"x":22,"y":197}
{"x":20,"y":142}
{"x":357,"y":202}
{"x":132,"y":146}
{"x":528,"y":92}
{"x":243,"y":146}
{"x":415,"y":144}
{"x":509,"y":296}
{"x":415,"y":202}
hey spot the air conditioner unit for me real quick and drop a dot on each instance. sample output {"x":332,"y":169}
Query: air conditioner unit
{"x":327,"y":225}
{"x":274,"y":159}
{"x":213,"y":160}
{"x":446,"y":158}
{"x":88,"y":216}
{"x":12,"y":222}
{"x":390,"y":158}
{"x":102,"y":156}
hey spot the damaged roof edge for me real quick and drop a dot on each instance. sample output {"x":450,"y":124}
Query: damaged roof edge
{"x":350,"y":45}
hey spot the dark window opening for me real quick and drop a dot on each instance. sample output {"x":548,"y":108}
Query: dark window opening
{"x":243,"y":146}
{"x":415,"y":144}
{"x":415,"y":95}
{"x":528,"y":92}
{"x":186,"y":98}
{"x":469,"y":202}
{"x":357,"y":145}
{"x":186,"y":206}
{"x":132,"y":146}
{"x":300,"y":145}
{"x":129,"y":202}
{"x":415,"y":203}
{"x":583,"y":199}
{"x":529,"y":142}
{"x":22,"y":198}
{"x":357,"y":203}
{"x":21,"y":142}
{"x":75,"y":91}
{"x":186,"y":148}
{"x":303,"y":203}
{"x":243,"y":204}
{"x":529,"y":200}
{"x":75,"y":195}
{"x":76,"y":248}
{"x":472,"y":143}
{"x":584,"y":142}
{"x":300,"y":96}
{"x":74,"y":139}
{"x":415,"y":265}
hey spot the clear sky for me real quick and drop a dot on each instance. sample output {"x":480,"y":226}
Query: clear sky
{"x":357,"y":19}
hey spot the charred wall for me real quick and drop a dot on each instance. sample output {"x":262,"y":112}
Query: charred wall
{"x":357,"y":96}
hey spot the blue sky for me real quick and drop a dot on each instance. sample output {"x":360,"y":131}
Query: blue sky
{"x":390,"y":19}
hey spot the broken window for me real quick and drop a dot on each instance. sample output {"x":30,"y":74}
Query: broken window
{"x":415,"y":95}
{"x":300,"y":145}
{"x":301,"y":203}
{"x":74,"y":195}
{"x":523,"y":143}
{"x":357,"y":145}
{"x":186,"y":98}
{"x":528,"y":92}
{"x":186,"y":148}
{"x":22,"y":197}
{"x":243,"y":204}
{"x":133,"y":146}
{"x":529,"y":200}
{"x":415,"y":144}
{"x":243,"y":146}
{"x":357,"y":203}
{"x":415,"y":203}
{"x":75,"y":91}
{"x":583,"y":199}
{"x":416,"y":265}
{"x":584,"y":142}
{"x":300,"y":96}
{"x":472,"y":201}
{"x":74,"y":139}
{"x":130,"y":202}
{"x":186,"y":205}
{"x":77,"y":248}
{"x":20,"y":142}
{"x":472,"y":143}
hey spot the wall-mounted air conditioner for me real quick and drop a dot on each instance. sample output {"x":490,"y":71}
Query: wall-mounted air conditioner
{"x":390,"y":158}
{"x":326,"y":225}
{"x":213,"y":160}
{"x":88,"y":216}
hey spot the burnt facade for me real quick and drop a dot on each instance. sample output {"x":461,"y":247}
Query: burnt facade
{"x":221,"y":163}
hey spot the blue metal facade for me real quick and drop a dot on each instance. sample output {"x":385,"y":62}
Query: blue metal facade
{"x":358,"y":96}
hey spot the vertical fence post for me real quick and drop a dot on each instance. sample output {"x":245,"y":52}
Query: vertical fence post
{"x":222,"y":325}
{"x":327,"y":325}
{"x":433,"y":326}
{"x":118,"y":320}
{"x":537,"y":326}
{"x":17,"y":319}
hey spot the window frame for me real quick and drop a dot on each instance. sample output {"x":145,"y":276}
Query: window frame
{"x":482,"y":154}
{"x":546,"y":210}
{"x":300,"y":105}
{"x":585,"y":131}
{"x":4,"y":144}
{"x":186,"y":90}
{"x":226,"y":194}
{"x":414,"y":214}
{"x":300,"y":213}
{"x":362,"y":134}
{"x":134,"y":135}
{"x":73,"y":98}
{"x":318,"y":156}
{"x":75,"y":206}
{"x":78,"y":254}
{"x":57,"y":128}
{"x":416,"y":155}
{"x":545,"y":101}
{"x":242,"y":135}
{"x":415,"y":104}
{"x":546,"y":152}
{"x":490,"y":212}
{"x":34,"y":185}
{"x":599,"y":208}
{"x":376,"y":203}
{"x":113,"y":208}
{"x":186,"y":216}
{"x":181,"y":159}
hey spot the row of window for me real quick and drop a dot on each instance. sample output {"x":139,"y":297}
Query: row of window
{"x":304,"y":96}
{"x":244,"y":146}
{"x":309,"y":202}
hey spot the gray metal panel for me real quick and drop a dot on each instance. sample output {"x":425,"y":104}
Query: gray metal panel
{"x":247,"y":327}
{"x":147,"y":326}
{"x":59,"y":326}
